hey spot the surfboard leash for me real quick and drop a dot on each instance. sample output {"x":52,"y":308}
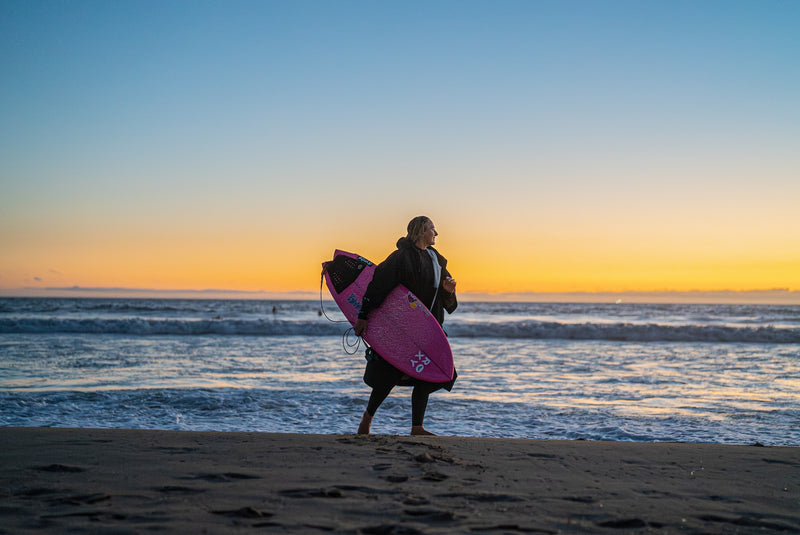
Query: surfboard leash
{"x":350,"y":347}
{"x":321,"y":305}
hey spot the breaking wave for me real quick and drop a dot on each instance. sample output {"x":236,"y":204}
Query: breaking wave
{"x":534,"y":330}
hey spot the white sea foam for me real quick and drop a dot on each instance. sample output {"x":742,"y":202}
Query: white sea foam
{"x":517,"y":329}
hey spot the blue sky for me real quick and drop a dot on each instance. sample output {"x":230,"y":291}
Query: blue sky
{"x":525,"y":126}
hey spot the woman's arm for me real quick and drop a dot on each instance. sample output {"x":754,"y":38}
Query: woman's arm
{"x":449,"y":301}
{"x":383,"y":281}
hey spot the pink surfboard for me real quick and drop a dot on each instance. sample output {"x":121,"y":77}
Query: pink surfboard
{"x":402,"y":330}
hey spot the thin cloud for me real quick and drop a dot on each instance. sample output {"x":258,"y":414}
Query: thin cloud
{"x":103,"y":289}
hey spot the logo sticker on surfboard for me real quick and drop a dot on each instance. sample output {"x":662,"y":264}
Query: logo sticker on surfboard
{"x":419,"y":361}
{"x":353,"y":300}
{"x":414,"y":303}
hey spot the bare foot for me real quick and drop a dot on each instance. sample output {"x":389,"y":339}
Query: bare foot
{"x":419,"y":430}
{"x":366,"y":422}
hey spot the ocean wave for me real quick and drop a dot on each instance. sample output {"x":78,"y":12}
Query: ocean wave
{"x":182,"y":327}
{"x":534,"y":330}
{"x":625,"y":332}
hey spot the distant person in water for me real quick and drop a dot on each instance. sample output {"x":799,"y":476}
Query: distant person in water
{"x":412,"y":266}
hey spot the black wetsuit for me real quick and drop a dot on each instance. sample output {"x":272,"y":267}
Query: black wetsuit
{"x":413,"y":268}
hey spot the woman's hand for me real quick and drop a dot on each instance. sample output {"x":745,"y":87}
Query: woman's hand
{"x":360,"y":327}
{"x":449,"y":284}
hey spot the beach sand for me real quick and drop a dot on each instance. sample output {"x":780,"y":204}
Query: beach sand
{"x":135,"y":481}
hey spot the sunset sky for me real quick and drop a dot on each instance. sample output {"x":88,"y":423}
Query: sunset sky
{"x":559,"y":146}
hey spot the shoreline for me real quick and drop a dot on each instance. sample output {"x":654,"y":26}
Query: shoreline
{"x":134,"y":481}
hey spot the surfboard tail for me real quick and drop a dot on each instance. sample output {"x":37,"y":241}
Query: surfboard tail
{"x":343,"y":270}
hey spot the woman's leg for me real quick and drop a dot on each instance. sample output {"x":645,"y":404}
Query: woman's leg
{"x":380,"y":391}
{"x":419,"y":403}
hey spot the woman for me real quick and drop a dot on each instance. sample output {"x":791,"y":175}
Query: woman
{"x":420,"y":268}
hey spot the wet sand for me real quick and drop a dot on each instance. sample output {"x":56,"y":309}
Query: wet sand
{"x":133,"y":481}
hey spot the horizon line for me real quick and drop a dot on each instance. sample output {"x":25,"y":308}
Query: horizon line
{"x":752,"y":296}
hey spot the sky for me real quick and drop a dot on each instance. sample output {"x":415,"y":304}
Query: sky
{"x":559,"y":146}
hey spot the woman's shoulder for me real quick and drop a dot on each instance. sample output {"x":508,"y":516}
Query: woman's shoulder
{"x":404,"y":244}
{"x":394,"y":256}
{"x":404,"y":250}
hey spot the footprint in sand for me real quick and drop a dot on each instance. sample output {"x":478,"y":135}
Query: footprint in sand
{"x":82,"y":499}
{"x":391,"y":529}
{"x":431,"y":515}
{"x":381,"y":466}
{"x":179,"y":490}
{"x":220,"y":478}
{"x":243,"y":512}
{"x":59,"y":468}
{"x":311,"y":493}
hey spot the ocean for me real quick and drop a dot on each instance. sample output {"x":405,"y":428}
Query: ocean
{"x":727,"y":374}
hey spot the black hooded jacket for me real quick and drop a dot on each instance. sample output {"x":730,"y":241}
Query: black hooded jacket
{"x":411,"y":267}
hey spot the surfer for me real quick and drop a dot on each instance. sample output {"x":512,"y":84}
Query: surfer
{"x":420,"y":268}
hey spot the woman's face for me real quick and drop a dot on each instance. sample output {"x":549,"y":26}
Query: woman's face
{"x":429,"y":236}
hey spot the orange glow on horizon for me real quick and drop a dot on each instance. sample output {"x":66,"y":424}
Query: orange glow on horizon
{"x":245,"y":268}
{"x":483,"y":258}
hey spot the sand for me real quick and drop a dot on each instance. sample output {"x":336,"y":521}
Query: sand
{"x":134,"y":481}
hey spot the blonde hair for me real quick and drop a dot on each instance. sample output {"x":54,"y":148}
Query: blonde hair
{"x":416,"y":228}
